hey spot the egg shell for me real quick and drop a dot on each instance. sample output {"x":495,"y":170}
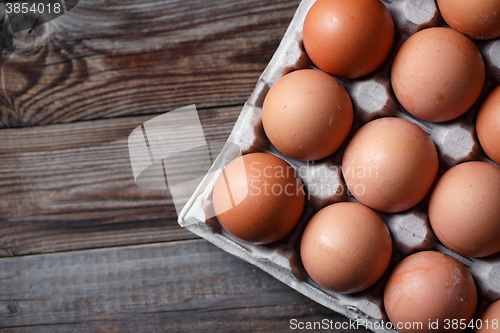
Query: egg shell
{"x":307,"y":115}
{"x":258,"y":198}
{"x":488,"y":125}
{"x":390,"y":164}
{"x":437,"y":74}
{"x":490,"y":319}
{"x":464,"y":209}
{"x":429,"y":286}
{"x":372,"y":98}
{"x":479,"y":19}
{"x":348,"y":38}
{"x":346,"y":247}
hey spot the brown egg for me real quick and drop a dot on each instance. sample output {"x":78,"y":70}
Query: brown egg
{"x":307,"y":115}
{"x":258,"y":198}
{"x":348,"y":38}
{"x":478,"y":19}
{"x":488,"y":125}
{"x":346,"y":247}
{"x":464,"y":209}
{"x":426,"y":287}
{"x":390,"y":164}
{"x":437,"y":74}
{"x":490,"y":320}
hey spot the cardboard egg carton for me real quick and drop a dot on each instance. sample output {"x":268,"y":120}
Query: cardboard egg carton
{"x":372,"y":98}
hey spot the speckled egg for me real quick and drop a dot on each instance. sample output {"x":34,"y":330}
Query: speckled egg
{"x":464,"y":209}
{"x":346,"y":247}
{"x":348,"y":38}
{"x":479,"y":19}
{"x":307,"y":115}
{"x":258,"y":198}
{"x":429,"y":287}
{"x":488,"y":125}
{"x":390,"y":164}
{"x":438,"y":74}
{"x":490,"y":320}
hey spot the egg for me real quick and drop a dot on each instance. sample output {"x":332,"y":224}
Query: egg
{"x":437,"y":74}
{"x":429,"y":287}
{"x":348,"y":38}
{"x":488,"y":125}
{"x":346,"y":247}
{"x":464,"y":210}
{"x":490,"y":320}
{"x":307,"y":115}
{"x":258,"y":198}
{"x":479,"y":19}
{"x":390,"y":164}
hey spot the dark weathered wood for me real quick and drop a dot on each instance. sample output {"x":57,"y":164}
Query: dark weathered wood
{"x":188,"y":286}
{"x":70,"y":186}
{"x":114,"y":58}
{"x":67,"y":188}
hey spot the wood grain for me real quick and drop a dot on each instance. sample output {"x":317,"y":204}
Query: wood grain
{"x":75,"y":88}
{"x":70,"y":186}
{"x":113,"y":58}
{"x":188,"y":286}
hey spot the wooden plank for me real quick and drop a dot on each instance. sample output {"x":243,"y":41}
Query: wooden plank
{"x":188,"y":286}
{"x":70,"y":186}
{"x":112,"y":58}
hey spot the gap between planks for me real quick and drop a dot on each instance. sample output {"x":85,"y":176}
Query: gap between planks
{"x":70,"y":186}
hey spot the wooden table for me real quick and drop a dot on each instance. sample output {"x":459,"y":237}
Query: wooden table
{"x":83,"y":249}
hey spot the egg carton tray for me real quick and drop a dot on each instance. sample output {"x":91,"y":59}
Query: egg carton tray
{"x":372,"y":98}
